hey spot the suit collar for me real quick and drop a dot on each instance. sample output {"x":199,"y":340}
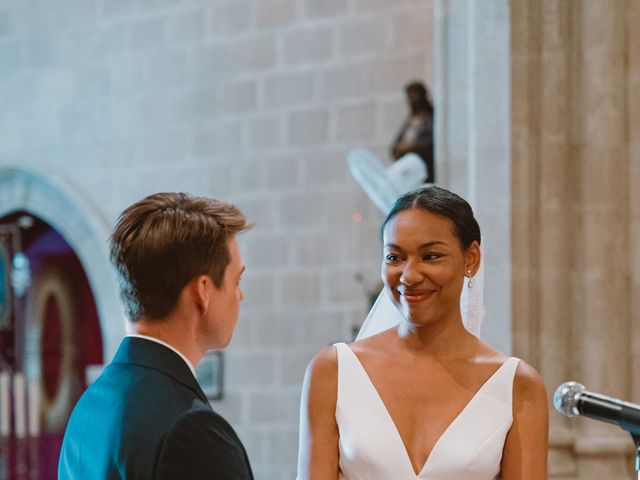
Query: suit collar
{"x":150,"y":354}
{"x":170,"y":347}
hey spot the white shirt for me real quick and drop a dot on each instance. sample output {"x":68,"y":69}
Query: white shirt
{"x":153,"y":339}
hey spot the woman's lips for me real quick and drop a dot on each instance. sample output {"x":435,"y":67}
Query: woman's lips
{"x":416,"y":297}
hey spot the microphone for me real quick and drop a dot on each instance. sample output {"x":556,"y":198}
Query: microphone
{"x":573,"y":399}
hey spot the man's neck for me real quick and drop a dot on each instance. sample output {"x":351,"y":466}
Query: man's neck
{"x":171,"y":332}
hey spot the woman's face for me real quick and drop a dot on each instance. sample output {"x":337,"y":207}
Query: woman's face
{"x":424,"y":265}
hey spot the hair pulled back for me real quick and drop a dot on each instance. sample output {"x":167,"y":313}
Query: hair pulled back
{"x":444,"y":203}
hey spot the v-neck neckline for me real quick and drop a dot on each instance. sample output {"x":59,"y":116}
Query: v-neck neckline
{"x":394,"y":427}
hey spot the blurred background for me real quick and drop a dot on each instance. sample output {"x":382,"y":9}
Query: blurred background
{"x":258,"y":102}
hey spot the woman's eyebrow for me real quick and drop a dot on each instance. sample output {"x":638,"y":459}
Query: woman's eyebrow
{"x":431,"y":244}
{"x":424,"y":245}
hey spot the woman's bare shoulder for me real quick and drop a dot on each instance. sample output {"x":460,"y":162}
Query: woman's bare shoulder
{"x":528,"y":382}
{"x":324,"y":364}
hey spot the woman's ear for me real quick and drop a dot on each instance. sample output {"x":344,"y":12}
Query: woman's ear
{"x":472,"y":258}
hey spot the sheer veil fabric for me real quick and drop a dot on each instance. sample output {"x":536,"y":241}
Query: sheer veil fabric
{"x":384,"y":314}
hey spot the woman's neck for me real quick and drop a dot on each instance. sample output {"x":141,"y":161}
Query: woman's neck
{"x":439,"y":339}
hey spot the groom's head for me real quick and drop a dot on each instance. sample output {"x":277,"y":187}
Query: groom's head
{"x":165,"y":240}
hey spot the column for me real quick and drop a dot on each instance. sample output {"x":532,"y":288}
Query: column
{"x":601,"y":321}
{"x":556,"y":221}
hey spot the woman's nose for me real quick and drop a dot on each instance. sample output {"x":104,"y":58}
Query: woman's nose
{"x":410,"y":274}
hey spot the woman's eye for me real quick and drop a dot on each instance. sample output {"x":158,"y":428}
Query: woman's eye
{"x":431,"y":257}
{"x":390,"y":258}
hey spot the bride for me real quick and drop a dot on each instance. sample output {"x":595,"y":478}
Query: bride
{"x":425,"y":398}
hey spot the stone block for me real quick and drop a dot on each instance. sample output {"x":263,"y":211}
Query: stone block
{"x":274,"y":407}
{"x":413,"y":30}
{"x":281,"y":446}
{"x":195,"y":104}
{"x":300,"y":289}
{"x":126,"y":75}
{"x":262,"y":250}
{"x":147,"y":6}
{"x":109,"y":41}
{"x":308,"y":127}
{"x":259,"y":210}
{"x":254,"y":441}
{"x":147,"y":35}
{"x":247,"y":174}
{"x":165,"y":69}
{"x":41,"y":52}
{"x":325,"y":9}
{"x":186,"y":27}
{"x":266,"y":330}
{"x":316,"y":328}
{"x":371,"y":36}
{"x":248,"y":370}
{"x":342,"y":286}
{"x":356,"y":123}
{"x":377,"y":6}
{"x":217,"y":139}
{"x":320,"y":247}
{"x":231,"y":406}
{"x":276,"y":13}
{"x":230,"y":18}
{"x":325,"y":167}
{"x":209,"y":64}
{"x":166,"y":148}
{"x":393,"y":73}
{"x":302,"y":209}
{"x":310,"y":45}
{"x":6,"y":23}
{"x":289,"y":89}
{"x":283,"y":173}
{"x":393,"y":114}
{"x":116,"y":8}
{"x":236,"y":97}
{"x":276,"y":473}
{"x":253,"y":55}
{"x":266,"y":132}
{"x":33,"y":21}
{"x":242,"y":335}
{"x":258,"y":288}
{"x":70,"y":14}
{"x":352,"y":81}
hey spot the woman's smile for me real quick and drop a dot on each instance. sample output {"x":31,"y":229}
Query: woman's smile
{"x":415,"y":296}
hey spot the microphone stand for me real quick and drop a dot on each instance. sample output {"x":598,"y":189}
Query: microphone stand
{"x":630,"y":421}
{"x":636,"y":440}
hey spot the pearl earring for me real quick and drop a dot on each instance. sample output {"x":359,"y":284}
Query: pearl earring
{"x":470,"y":284}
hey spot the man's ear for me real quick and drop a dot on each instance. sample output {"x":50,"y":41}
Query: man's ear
{"x":200,"y":288}
{"x":472,"y":258}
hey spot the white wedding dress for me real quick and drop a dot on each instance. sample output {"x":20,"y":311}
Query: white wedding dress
{"x":371,"y":447}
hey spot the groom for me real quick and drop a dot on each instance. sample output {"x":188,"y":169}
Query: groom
{"x":146,"y":417}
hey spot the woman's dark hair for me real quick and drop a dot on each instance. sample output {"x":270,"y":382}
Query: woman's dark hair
{"x":444,"y":203}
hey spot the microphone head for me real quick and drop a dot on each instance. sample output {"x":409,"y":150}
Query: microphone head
{"x":565,"y":398}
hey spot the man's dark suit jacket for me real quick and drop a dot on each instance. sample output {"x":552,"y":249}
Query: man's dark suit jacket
{"x":146,"y":417}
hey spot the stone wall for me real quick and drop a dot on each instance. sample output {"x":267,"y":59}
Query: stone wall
{"x":253,"y":101}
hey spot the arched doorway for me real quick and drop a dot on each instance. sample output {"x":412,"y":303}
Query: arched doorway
{"x":59,"y":314}
{"x":50,"y":334}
